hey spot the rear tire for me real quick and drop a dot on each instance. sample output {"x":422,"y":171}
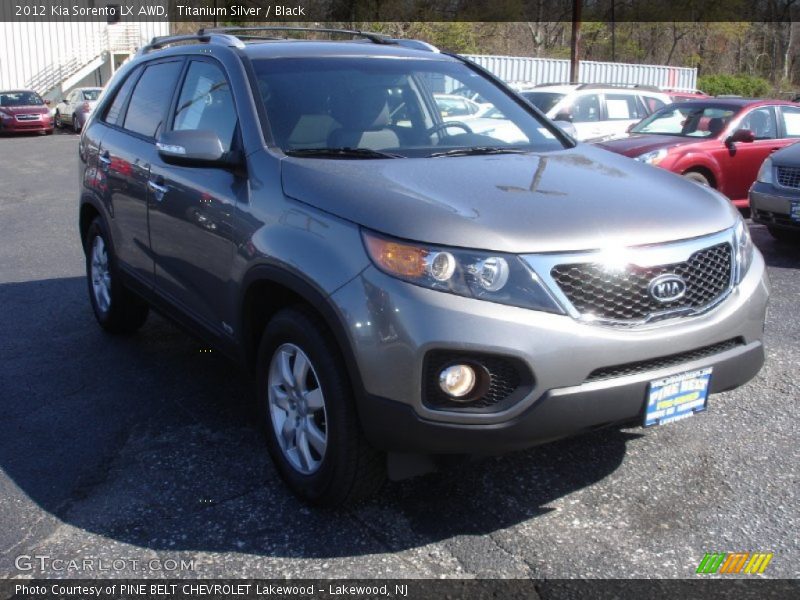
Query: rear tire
{"x":307,"y":412}
{"x":75,"y":125}
{"x":59,"y":124}
{"x":697,"y":178}
{"x":116,"y":308}
{"x":785,"y":236}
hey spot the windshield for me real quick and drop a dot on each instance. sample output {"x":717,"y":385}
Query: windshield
{"x":20,"y":99}
{"x":91,"y":95}
{"x":395,"y":108}
{"x":688,"y":120}
{"x":544,"y":101}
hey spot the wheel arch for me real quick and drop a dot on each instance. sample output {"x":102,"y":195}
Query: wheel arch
{"x":268,"y":289}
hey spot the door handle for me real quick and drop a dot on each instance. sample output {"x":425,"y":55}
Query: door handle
{"x":158,"y":190}
{"x":771,"y":150}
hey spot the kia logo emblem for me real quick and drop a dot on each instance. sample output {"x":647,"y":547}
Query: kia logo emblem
{"x":667,"y":287}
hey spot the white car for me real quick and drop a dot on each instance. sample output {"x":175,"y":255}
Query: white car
{"x":596,"y":111}
{"x":75,"y":109}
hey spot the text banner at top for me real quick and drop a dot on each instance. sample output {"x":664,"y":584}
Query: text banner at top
{"x":240,"y":12}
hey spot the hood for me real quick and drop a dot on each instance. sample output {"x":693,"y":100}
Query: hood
{"x":40,"y":109}
{"x":576,"y":199}
{"x":634,"y":144}
{"x":788,"y":157}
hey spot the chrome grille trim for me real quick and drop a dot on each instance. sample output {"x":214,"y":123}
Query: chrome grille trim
{"x":29,"y":117}
{"x":655,"y":255}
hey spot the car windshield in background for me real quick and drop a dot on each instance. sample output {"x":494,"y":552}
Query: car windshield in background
{"x":91,"y":95}
{"x":391,"y":108}
{"x":688,"y":120}
{"x":20,"y":99}
{"x":544,"y":101}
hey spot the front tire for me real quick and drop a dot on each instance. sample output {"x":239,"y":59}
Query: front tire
{"x":76,"y":127}
{"x":307,"y":411}
{"x":786,"y":236}
{"x":116,"y":308}
{"x":697,"y":178}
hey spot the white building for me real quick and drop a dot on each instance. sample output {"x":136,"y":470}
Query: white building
{"x":55,"y":57}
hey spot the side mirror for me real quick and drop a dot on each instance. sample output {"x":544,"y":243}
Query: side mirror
{"x":193,"y":148}
{"x":629,"y":127}
{"x":564,"y":115}
{"x":740,"y":135}
{"x":47,"y":102}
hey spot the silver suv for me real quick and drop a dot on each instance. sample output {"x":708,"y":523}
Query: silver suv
{"x":401,"y":286}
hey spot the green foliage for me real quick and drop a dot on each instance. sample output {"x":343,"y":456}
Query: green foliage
{"x":748,"y":86}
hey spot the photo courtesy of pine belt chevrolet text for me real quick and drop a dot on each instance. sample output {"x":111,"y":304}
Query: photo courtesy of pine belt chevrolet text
{"x":403,"y":286}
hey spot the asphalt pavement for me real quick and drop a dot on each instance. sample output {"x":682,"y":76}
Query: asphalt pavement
{"x":138,"y":454}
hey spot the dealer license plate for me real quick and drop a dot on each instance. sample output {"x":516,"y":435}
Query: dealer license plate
{"x":794,"y":211}
{"x":676,"y":397}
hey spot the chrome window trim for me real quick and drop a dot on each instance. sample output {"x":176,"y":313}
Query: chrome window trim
{"x":640,"y":256}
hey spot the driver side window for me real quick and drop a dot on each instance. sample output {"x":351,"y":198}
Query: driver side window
{"x":761,"y":122}
{"x":586,"y":109}
{"x":206,"y":103}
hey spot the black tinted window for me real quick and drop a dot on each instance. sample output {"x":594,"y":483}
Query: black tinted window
{"x":206,"y":103}
{"x":151,"y":97}
{"x":114,"y":112}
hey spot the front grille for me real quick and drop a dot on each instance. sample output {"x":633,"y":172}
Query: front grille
{"x":28,"y":117}
{"x":623,"y":296}
{"x":662,"y":362}
{"x":509,"y":380}
{"x":789,"y":177}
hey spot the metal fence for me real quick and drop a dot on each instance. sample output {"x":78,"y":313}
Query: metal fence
{"x":555,"y":70}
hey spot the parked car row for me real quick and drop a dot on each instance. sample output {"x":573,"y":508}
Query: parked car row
{"x":25,"y":111}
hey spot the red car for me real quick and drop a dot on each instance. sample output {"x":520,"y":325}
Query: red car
{"x":24,"y":111}
{"x":716,"y":142}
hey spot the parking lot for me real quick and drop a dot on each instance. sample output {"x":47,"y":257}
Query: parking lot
{"x":142,"y":450}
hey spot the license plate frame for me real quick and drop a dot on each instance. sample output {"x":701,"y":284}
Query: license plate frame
{"x":677,"y":397}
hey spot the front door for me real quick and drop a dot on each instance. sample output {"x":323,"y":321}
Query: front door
{"x":191,"y":208}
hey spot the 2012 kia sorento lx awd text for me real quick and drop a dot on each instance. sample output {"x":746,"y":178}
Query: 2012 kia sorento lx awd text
{"x":401,"y":285}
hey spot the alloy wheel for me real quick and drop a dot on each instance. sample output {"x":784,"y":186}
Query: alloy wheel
{"x":101,"y":276}
{"x":297,"y":409}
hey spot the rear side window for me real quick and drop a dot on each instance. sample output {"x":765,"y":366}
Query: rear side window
{"x":114,"y":112}
{"x":622,"y":107}
{"x":151,"y":98}
{"x":791,"y":121}
{"x":206,"y":103}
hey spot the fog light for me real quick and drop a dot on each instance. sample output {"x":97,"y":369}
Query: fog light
{"x":457,"y":380}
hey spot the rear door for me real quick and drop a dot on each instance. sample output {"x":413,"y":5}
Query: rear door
{"x":191,"y":208}
{"x":127,"y":151}
{"x":622,"y":109}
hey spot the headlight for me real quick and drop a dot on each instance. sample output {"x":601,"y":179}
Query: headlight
{"x":495,"y":277}
{"x":743,"y":247}
{"x":765,"y":172}
{"x":652,"y":158}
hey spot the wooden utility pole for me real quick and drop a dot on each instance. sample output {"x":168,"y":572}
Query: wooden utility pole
{"x":577,"y":5}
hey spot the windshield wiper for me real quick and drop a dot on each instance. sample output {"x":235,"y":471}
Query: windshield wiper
{"x":477,"y":150}
{"x":341,"y":153}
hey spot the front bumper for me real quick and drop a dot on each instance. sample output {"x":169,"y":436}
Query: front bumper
{"x":15,"y":126}
{"x":772,"y":206}
{"x":391,"y":326}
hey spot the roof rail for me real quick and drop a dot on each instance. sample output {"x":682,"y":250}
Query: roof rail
{"x":637,"y":86}
{"x":157,"y":43}
{"x":375,"y":38}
